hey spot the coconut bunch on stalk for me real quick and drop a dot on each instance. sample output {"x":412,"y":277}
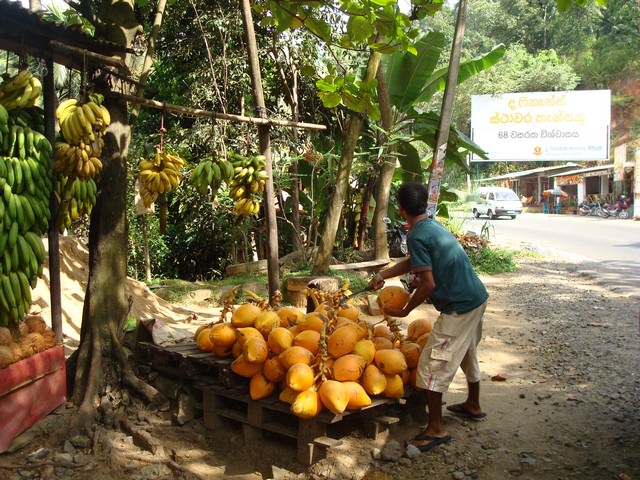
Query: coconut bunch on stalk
{"x":326,"y":359}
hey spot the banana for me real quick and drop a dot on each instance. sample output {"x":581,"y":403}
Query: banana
{"x":36,"y":244}
{"x":106,"y":116}
{"x":85,"y":125}
{"x":36,"y":88}
{"x":4,"y":304}
{"x":65,"y":108}
{"x":8,"y":291}
{"x":29,"y":215}
{"x":89,"y":115}
{"x":15,"y":288}
{"x":25,"y":288}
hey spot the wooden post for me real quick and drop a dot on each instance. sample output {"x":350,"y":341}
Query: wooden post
{"x":265,"y":149}
{"x":49,"y":90}
{"x":437,"y":165}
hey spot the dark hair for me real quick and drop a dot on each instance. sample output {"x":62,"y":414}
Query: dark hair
{"x":412,"y":197}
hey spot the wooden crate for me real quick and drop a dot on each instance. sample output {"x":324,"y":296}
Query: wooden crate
{"x":313,"y":436}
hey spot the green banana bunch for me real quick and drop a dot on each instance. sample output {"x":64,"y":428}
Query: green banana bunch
{"x":25,"y":191}
{"x":77,"y":199}
{"x":20,"y":91}
{"x":208,"y":176}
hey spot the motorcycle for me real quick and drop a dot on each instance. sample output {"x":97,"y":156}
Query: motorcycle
{"x":397,"y":238}
{"x":595,"y":209}
{"x":619,"y":210}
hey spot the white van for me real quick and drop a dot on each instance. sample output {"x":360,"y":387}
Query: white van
{"x":495,"y":202}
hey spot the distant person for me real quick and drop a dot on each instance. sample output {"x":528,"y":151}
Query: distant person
{"x":443,"y":274}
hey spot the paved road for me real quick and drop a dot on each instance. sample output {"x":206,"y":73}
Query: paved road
{"x":608,"y":249}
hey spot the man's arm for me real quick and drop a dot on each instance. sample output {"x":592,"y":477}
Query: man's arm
{"x":426,"y":284}
{"x":400,"y":268}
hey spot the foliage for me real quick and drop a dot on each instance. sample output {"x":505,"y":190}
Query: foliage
{"x":492,"y":260}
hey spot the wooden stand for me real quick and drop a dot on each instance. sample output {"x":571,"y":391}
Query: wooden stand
{"x":29,"y":390}
{"x":312,"y":436}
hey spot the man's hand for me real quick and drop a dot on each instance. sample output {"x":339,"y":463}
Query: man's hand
{"x":394,"y":312}
{"x":376,"y":282}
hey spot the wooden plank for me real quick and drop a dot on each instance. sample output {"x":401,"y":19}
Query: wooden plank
{"x":372,"y":264}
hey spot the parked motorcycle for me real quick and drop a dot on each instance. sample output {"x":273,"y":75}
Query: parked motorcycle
{"x":595,"y":209}
{"x":397,"y":238}
{"x":619,"y":210}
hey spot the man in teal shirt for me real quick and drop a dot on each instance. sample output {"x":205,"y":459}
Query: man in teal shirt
{"x":444,"y":275}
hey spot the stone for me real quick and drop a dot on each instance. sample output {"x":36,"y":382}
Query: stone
{"x":38,"y":455}
{"x":185,"y":409}
{"x":68,"y":447}
{"x":412,"y":451}
{"x":63,"y":460}
{"x":392,"y":451}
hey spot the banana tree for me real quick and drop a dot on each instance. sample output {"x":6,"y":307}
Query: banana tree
{"x":411,"y":81}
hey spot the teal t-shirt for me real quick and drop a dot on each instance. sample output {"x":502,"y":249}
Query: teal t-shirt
{"x":458,"y":288}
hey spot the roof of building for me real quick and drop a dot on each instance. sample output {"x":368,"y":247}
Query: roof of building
{"x":22,"y":30}
{"x":524,"y":173}
{"x":578,"y":171}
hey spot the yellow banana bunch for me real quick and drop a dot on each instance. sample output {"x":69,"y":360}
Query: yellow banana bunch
{"x":82,"y":122}
{"x":246,"y":207}
{"x":20,"y":91}
{"x":160,"y":174}
{"x":79,"y":161}
{"x":247,"y":184}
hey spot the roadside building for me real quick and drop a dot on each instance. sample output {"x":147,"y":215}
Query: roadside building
{"x":528,"y":184}
{"x":590,"y":183}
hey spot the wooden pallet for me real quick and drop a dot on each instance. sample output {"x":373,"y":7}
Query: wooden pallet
{"x":313,"y":436}
{"x":186,"y":361}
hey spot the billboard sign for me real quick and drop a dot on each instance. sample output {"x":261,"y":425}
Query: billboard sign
{"x":542,"y":126}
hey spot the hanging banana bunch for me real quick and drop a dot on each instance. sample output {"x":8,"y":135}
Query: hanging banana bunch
{"x":247,"y":184}
{"x":82,"y":126}
{"x":159,"y":174}
{"x":20,"y":91}
{"x":210,"y":173}
{"x":77,"y":198}
{"x":25,"y":189}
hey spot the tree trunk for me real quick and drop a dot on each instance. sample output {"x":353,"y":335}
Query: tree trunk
{"x":100,"y":359}
{"x":446,"y":112}
{"x":322,"y":259}
{"x":381,"y":248}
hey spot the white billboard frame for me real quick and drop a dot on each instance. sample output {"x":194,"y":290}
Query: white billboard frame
{"x":542,"y":126}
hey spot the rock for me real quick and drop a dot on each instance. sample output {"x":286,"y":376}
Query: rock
{"x":412,"y":451}
{"x":68,"y":447}
{"x":47,"y":473}
{"x":458,"y":475}
{"x":392,"y":451}
{"x":405,"y":462}
{"x":63,"y":460}
{"x":38,"y":455}
{"x":185,"y":409}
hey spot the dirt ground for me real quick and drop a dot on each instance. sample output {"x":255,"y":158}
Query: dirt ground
{"x":566,"y":347}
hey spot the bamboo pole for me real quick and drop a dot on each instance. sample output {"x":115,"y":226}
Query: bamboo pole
{"x":197,"y":112}
{"x":102,"y":59}
{"x":55,"y":289}
{"x":273,"y":267}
